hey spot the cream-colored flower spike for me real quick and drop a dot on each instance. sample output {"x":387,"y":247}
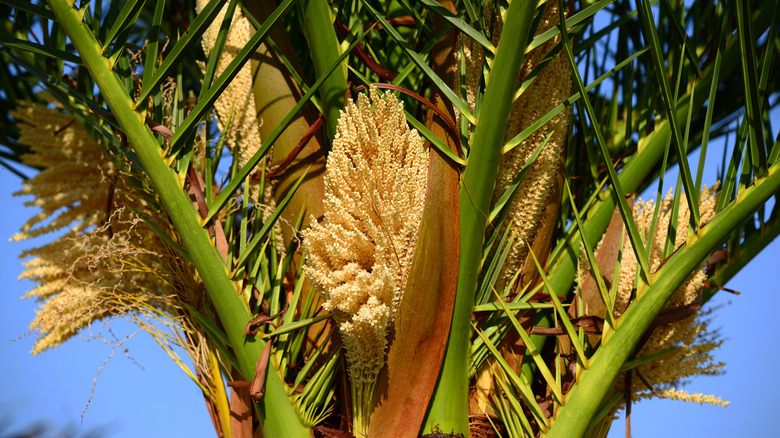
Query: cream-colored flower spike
{"x":689,"y":332}
{"x":237,"y":102}
{"x":535,"y":200}
{"x":358,"y":257}
{"x":540,"y":185}
{"x":549,"y":89}
{"x":74,"y":167}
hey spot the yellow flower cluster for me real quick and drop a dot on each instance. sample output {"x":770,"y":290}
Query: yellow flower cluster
{"x":101,"y":266}
{"x":698,"y":397}
{"x":359,"y":256}
{"x":689,"y":291}
{"x":67,"y":190}
{"x":237,"y":103}
{"x":541,"y":184}
{"x":689,"y":332}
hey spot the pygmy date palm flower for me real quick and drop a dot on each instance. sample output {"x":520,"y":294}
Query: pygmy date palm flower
{"x":358,"y":257}
{"x":536,"y":200}
{"x":236,"y":104}
{"x":89,"y":273}
{"x":540,"y":187}
{"x":680,"y":326}
{"x":110,"y":262}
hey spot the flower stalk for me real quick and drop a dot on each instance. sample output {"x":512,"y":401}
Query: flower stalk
{"x":359,"y":256}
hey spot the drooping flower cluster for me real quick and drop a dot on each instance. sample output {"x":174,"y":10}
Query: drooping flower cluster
{"x":689,"y":332}
{"x":108,"y":262}
{"x":72,"y":189}
{"x":358,"y":257}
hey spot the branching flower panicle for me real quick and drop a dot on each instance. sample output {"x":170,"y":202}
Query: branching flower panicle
{"x":684,"y":328}
{"x":109,"y":262}
{"x":358,"y":257}
{"x":97,"y":268}
{"x":72,"y":189}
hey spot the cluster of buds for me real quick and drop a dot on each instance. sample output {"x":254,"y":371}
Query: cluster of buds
{"x":108,"y":262}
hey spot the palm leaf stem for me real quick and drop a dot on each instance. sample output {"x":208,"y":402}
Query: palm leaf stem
{"x":324,"y":48}
{"x":449,"y":406}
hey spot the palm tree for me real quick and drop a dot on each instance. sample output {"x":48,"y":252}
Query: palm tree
{"x":327,"y":268}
